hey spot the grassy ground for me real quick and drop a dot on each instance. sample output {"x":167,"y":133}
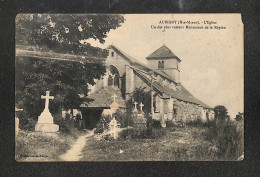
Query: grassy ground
{"x":37,"y":146}
{"x":177,"y":144}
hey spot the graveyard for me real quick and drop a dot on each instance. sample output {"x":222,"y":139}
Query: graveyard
{"x":75,"y":101}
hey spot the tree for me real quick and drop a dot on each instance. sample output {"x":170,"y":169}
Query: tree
{"x":65,"y":33}
{"x":66,"y":80}
{"x":239,"y":116}
{"x":140,"y":95}
{"x":221,"y":112}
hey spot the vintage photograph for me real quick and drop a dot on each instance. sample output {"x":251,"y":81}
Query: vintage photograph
{"x":129,"y":87}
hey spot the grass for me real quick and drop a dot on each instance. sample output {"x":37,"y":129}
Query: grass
{"x":175,"y":145}
{"x":37,"y":146}
{"x":194,"y":142}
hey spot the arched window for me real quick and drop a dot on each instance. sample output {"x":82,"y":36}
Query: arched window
{"x":110,"y":80}
{"x":116,"y":81}
{"x":113,"y":76}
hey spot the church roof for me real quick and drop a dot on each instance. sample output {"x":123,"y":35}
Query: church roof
{"x":183,"y":95}
{"x":139,"y":65}
{"x":103,"y":98}
{"x":162,"y":53}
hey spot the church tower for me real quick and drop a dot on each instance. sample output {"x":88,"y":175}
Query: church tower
{"x":165,"y":60}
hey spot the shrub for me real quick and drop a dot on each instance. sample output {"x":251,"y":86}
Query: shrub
{"x":123,"y":118}
{"x":156,"y":124}
{"x":228,"y":139}
{"x":27,"y":123}
{"x":65,"y":125}
{"x":169,"y":123}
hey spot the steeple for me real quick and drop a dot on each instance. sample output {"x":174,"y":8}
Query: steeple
{"x":164,"y":59}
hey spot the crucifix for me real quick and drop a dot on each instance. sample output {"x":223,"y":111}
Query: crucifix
{"x":135,"y":103}
{"x":141,"y":106}
{"x":114,"y":96}
{"x":47,"y":98}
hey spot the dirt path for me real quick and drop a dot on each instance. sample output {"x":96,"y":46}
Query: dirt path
{"x":74,"y":153}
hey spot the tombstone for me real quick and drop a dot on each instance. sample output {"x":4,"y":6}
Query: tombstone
{"x":17,"y":121}
{"x":135,"y":109}
{"x":114,"y":127}
{"x":139,"y":121}
{"x":45,"y":120}
{"x":114,"y":106}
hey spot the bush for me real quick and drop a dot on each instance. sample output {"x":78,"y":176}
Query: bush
{"x":123,"y":118}
{"x":228,"y":139}
{"x":66,"y":125}
{"x":169,"y":123}
{"x":156,"y":124}
{"x":27,"y":124}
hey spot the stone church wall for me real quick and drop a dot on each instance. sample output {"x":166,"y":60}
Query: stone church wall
{"x":186,"y":112}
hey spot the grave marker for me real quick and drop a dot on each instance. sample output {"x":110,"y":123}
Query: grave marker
{"x":17,"y":121}
{"x":114,"y":127}
{"x":45,"y":120}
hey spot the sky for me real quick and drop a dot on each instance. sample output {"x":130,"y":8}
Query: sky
{"x":211,"y":68}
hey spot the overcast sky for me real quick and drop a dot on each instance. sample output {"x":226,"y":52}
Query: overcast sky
{"x":212,"y":60}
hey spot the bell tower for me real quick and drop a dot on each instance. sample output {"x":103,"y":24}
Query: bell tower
{"x":165,"y":60}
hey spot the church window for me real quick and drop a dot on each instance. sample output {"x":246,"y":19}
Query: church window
{"x":160,"y":64}
{"x":112,"y":54}
{"x":174,"y":111}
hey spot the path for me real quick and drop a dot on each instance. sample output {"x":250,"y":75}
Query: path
{"x":74,"y":153}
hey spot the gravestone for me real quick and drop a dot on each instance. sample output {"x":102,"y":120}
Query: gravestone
{"x":139,"y":121}
{"x":114,"y":106}
{"x":17,"y":121}
{"x":114,"y":127}
{"x":45,"y":120}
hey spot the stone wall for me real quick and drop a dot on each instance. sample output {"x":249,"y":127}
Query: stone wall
{"x":186,"y":112}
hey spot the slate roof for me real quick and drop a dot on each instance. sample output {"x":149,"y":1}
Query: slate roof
{"x":162,"y":53}
{"x":183,"y":95}
{"x":102,"y":98}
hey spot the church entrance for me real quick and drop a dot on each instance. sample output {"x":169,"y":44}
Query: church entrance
{"x":91,"y":117}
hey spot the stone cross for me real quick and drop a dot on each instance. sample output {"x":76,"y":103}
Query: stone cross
{"x":47,"y":97}
{"x":135,"y":103}
{"x":141,"y":106}
{"x":135,"y":109}
{"x":114,"y":96}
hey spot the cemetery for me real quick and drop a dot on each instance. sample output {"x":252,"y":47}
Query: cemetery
{"x":77,"y":102}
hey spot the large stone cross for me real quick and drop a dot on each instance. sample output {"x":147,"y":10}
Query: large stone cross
{"x":114,"y":96}
{"x":47,"y":97}
{"x":141,"y":106}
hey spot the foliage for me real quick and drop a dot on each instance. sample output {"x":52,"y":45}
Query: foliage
{"x":227,"y":136}
{"x":221,"y":112}
{"x":140,"y":95}
{"x":123,"y":118}
{"x":239,"y":116}
{"x":156,"y":124}
{"x":65,"y":32}
{"x":65,"y":125}
{"x":65,"y":80}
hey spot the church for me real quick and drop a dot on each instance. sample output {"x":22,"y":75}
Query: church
{"x":171,"y":100}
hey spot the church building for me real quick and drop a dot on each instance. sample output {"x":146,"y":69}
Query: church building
{"x":171,"y":100}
